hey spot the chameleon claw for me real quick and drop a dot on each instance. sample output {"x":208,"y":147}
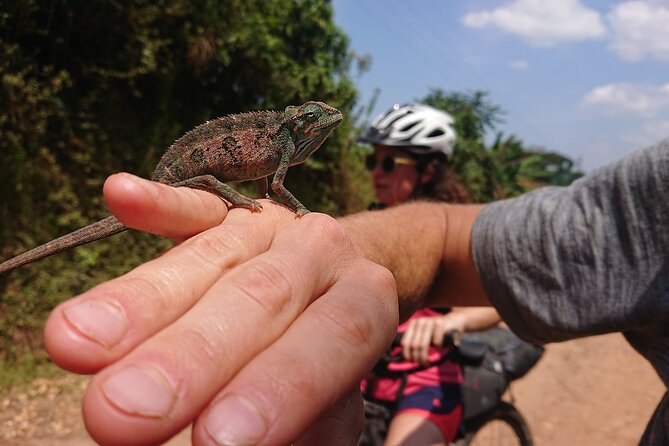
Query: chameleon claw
{"x":299,"y":213}
{"x":255,"y":207}
{"x":251,"y":205}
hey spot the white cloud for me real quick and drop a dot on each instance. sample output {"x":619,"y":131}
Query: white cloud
{"x":520,"y":65}
{"x":657,"y":129}
{"x":540,"y":22}
{"x":640,"y":29}
{"x":646,"y":100}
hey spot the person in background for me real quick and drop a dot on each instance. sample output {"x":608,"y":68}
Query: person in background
{"x":412,"y":145}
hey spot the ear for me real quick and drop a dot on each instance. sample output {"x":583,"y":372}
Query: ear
{"x":428,"y":173}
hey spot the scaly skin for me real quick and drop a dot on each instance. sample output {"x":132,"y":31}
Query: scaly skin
{"x":241,"y":147}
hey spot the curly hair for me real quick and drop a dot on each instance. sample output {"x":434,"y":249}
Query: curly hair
{"x":444,"y":186}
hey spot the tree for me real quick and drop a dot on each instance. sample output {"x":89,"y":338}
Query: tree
{"x":506,"y":168}
{"x":91,"y":88}
{"x":473,"y":112}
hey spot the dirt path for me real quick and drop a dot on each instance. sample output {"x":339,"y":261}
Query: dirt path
{"x":48,"y":413}
{"x":594,"y":391}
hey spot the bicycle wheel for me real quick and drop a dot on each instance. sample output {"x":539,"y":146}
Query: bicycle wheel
{"x":505,"y":426}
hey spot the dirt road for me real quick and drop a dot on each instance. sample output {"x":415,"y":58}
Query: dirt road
{"x":594,"y":391}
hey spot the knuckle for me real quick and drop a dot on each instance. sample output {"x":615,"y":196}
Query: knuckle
{"x":203,"y":348}
{"x":273,"y":389}
{"x":381,"y":279}
{"x":211,"y":244}
{"x":326,"y":229}
{"x":349,"y":325}
{"x":381,"y":302}
{"x":267,"y":285}
{"x":216,"y":247}
{"x":146,"y":292}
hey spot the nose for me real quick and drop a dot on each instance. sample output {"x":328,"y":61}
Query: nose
{"x":378,"y":171}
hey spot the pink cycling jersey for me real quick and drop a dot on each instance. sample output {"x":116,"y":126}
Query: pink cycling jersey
{"x":386,"y":388}
{"x":433,"y":393}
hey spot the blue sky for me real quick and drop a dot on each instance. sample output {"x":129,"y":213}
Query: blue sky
{"x":587,"y":78}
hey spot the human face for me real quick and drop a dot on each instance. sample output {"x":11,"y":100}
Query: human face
{"x":396,"y":186}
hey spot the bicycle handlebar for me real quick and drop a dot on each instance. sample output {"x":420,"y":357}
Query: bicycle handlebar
{"x":450,"y":339}
{"x":465,"y":351}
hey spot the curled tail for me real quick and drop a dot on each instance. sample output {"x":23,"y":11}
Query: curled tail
{"x":96,"y":231}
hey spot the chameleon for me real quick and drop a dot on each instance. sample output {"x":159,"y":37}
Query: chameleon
{"x":238,"y":147}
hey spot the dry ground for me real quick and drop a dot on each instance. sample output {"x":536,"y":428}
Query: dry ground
{"x":594,"y":391}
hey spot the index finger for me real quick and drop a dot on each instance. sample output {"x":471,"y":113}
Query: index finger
{"x":177,"y":213}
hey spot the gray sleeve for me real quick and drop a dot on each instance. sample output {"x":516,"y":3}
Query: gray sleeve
{"x":591,"y":258}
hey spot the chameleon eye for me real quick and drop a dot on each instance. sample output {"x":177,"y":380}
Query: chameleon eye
{"x":310,"y":116}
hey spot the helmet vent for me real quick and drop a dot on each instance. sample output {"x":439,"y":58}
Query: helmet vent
{"x":408,"y":127}
{"x":417,"y":128}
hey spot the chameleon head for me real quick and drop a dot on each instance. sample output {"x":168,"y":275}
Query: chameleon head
{"x":310,"y":124}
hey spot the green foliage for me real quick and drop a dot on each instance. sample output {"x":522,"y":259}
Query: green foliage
{"x":20,"y":373}
{"x":505,"y":169}
{"x":30,"y":293}
{"x":473,"y":112}
{"x":91,"y":88}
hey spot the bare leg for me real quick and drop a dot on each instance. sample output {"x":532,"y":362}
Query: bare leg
{"x":410,"y":429}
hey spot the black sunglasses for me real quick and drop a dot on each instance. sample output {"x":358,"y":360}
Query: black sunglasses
{"x":388,"y":162}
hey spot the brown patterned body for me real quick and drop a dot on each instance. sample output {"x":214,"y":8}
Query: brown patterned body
{"x":232,"y":148}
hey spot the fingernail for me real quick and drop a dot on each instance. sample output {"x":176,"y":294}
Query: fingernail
{"x":235,"y":421}
{"x":98,"y":320}
{"x":140,"y":390}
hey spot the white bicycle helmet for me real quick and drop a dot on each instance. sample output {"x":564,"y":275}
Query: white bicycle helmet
{"x":419,"y":128}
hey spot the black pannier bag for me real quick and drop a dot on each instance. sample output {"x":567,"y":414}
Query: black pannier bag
{"x":377,"y":420}
{"x":516,"y":356}
{"x":491,"y":359}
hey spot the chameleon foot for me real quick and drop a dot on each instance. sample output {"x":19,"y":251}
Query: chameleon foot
{"x":300,"y":212}
{"x":251,"y":205}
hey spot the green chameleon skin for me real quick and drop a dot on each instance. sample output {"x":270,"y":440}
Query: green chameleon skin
{"x":240,"y":147}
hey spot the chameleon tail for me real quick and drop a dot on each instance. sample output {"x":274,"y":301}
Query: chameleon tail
{"x":95,"y":231}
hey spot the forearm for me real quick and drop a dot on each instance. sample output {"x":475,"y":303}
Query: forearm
{"x":475,"y":318}
{"x":427,"y":248}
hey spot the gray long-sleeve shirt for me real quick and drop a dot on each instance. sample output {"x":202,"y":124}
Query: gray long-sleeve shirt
{"x":591,"y":258}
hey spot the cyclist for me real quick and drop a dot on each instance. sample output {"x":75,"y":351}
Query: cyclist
{"x":412,"y":146}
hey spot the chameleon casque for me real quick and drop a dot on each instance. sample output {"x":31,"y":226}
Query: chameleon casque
{"x":239,"y":147}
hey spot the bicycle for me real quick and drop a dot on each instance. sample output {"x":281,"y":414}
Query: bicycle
{"x":487,"y":419}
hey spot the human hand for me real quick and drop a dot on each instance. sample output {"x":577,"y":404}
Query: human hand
{"x":424,"y":332}
{"x":256,"y":329}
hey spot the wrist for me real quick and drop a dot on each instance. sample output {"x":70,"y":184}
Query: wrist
{"x":408,"y":240}
{"x":457,"y":322}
